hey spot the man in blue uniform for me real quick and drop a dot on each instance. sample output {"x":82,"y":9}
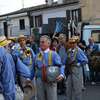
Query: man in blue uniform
{"x":25,"y":54}
{"x":7,"y":83}
{"x":27,"y":57}
{"x":73,"y":70}
{"x":18,"y":68}
{"x":47,"y":90}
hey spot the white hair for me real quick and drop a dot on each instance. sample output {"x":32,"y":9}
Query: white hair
{"x":47,"y":37}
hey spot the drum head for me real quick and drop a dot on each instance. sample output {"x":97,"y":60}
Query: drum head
{"x":52,"y":73}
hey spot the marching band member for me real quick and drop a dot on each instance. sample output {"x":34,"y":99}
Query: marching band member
{"x":27,"y":57}
{"x":7,"y":83}
{"x":25,"y":54}
{"x":47,"y":90}
{"x":73,"y":70}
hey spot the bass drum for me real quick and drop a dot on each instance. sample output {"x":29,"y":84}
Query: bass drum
{"x":52,"y":73}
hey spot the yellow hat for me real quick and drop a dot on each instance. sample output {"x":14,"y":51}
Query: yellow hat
{"x":4,"y":41}
{"x":21,"y":37}
{"x":12,"y":38}
{"x":72,"y":40}
{"x":77,"y":39}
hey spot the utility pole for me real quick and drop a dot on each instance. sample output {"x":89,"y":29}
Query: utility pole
{"x":22,"y":3}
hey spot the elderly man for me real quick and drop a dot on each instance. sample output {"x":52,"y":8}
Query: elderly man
{"x":92,"y":46}
{"x":7,"y":83}
{"x":47,"y":90}
{"x":73,"y":70}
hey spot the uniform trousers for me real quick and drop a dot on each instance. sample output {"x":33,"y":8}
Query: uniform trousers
{"x":19,"y":94}
{"x":46,"y":91}
{"x":1,"y":97}
{"x":74,"y":84}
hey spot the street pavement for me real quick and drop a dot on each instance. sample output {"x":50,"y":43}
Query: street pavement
{"x":92,"y":92}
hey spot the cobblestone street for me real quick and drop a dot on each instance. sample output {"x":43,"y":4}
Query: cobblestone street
{"x":91,"y":93}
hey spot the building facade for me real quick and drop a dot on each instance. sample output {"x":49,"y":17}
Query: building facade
{"x":43,"y":17}
{"x":72,"y":14}
{"x":14,"y":24}
{"x":90,"y":11}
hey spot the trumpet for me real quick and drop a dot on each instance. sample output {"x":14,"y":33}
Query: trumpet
{"x":28,"y":52}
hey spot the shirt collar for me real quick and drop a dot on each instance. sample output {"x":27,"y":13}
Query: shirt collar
{"x":73,"y":50}
{"x":45,"y":51}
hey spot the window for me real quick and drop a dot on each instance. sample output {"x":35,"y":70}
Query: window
{"x":22,"y":24}
{"x":96,"y":36}
{"x":31,"y":21}
{"x":5,"y":29}
{"x":68,"y":15}
{"x":74,"y":15}
{"x":79,"y":15}
{"x":38,"y":21}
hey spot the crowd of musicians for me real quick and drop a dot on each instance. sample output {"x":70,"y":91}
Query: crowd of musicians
{"x":24,"y":64}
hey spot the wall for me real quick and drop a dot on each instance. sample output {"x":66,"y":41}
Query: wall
{"x":16,"y":29}
{"x":91,"y":11}
{"x":47,"y":13}
{"x":13,"y":25}
{"x":57,"y":12}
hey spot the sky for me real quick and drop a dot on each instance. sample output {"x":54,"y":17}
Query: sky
{"x":7,"y":6}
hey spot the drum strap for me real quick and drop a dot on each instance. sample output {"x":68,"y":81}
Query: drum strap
{"x":50,"y":58}
{"x":40,"y":57}
{"x":44,"y":76}
{"x":74,"y":55}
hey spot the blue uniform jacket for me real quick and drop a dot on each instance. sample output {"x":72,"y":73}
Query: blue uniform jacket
{"x":94,"y":47}
{"x":18,"y":67}
{"x":62,"y":54}
{"x":25,"y":60}
{"x":81,"y":57}
{"x":55,"y":61}
{"x":6,"y":76}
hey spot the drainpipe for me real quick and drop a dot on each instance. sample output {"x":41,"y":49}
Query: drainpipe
{"x":29,"y":15}
{"x":8,"y":21}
